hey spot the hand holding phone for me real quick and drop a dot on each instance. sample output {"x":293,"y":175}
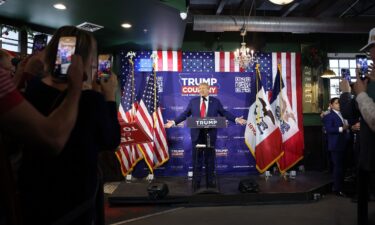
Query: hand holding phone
{"x":104,"y":66}
{"x":361,"y":61}
{"x":40,"y":42}
{"x":65,"y":50}
{"x":345,"y":74}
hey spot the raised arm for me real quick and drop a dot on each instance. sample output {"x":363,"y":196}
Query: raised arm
{"x":24,"y":120}
{"x":366,"y":104}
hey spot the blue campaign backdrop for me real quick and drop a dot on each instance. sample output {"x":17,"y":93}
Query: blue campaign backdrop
{"x":235,"y":91}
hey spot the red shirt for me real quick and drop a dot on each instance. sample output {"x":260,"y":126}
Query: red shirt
{"x":9,"y":95}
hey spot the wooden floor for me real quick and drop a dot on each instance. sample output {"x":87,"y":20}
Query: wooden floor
{"x":306,"y":186}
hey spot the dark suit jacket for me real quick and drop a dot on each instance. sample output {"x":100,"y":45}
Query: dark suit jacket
{"x":367,"y":140}
{"x":336,"y":141}
{"x":215,"y":108}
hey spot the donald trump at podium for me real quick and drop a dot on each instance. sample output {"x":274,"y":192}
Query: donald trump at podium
{"x":204,"y":106}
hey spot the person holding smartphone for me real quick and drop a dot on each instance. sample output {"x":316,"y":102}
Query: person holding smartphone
{"x":20,"y":119}
{"x":54,"y":187}
{"x":365,"y":93}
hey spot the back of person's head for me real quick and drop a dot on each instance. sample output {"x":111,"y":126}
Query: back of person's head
{"x":85,"y":45}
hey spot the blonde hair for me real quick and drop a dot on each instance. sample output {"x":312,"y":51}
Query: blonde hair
{"x":204,"y":84}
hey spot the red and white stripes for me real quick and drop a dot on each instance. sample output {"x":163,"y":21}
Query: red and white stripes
{"x":168,"y":61}
{"x":224,"y":62}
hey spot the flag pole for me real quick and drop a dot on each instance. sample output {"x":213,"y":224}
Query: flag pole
{"x":257,"y":72}
{"x":130,"y":55}
{"x":280,"y":93}
{"x":154,"y":60}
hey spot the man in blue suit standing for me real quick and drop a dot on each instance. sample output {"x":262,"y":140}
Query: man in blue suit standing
{"x":204,"y":106}
{"x":337,"y":138}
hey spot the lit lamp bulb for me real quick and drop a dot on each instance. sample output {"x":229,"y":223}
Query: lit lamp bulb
{"x":237,"y":53}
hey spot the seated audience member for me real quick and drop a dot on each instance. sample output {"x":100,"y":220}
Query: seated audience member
{"x":63,"y":188}
{"x":337,"y":139}
{"x":18,"y":117}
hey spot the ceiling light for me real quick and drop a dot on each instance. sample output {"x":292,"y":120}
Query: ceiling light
{"x":183,"y":15}
{"x":281,"y":2}
{"x":328,"y":74}
{"x":59,"y":6}
{"x":2,"y":2}
{"x":126,"y":25}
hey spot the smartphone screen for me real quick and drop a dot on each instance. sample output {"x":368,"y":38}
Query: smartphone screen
{"x":40,"y":42}
{"x":104,"y":66}
{"x":361,"y":61}
{"x":345,"y":73}
{"x":65,"y":50}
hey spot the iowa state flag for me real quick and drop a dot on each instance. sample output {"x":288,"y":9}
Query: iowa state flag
{"x":262,"y":134}
{"x":287,"y":120}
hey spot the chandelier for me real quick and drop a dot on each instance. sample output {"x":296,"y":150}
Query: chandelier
{"x":244,"y":56}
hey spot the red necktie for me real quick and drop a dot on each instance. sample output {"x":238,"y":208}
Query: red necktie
{"x":203,"y":108}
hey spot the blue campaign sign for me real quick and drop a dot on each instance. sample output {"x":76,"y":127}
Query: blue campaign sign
{"x":234,"y":90}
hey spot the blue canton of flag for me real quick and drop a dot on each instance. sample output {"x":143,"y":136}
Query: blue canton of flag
{"x":128,"y":91}
{"x":277,"y":87}
{"x":265,"y":61}
{"x":124,"y":69}
{"x":128,"y":94}
{"x":148,"y":95}
{"x":198,"y":62}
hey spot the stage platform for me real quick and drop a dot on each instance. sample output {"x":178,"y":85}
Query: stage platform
{"x":307,"y":186}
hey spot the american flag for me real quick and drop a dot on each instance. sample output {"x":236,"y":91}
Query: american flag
{"x":224,"y":62}
{"x":149,"y":116}
{"x":124,"y":69}
{"x":168,"y":61}
{"x":265,"y":61}
{"x":198,"y":62}
{"x":128,"y":155}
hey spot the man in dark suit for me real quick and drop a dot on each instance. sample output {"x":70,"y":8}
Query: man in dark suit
{"x":204,"y":106}
{"x":337,"y":139}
